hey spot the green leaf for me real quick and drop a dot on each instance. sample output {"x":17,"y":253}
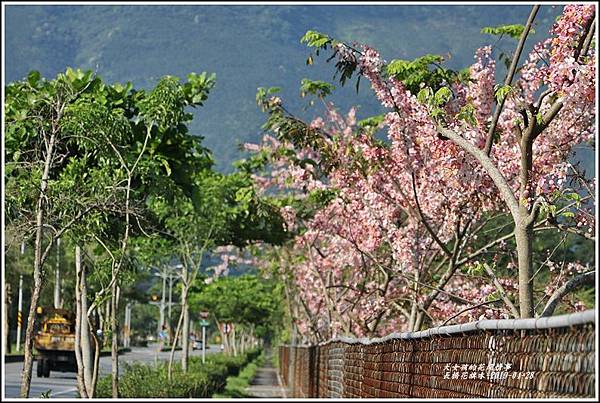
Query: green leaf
{"x":424,"y":95}
{"x":442,"y":96}
{"x":317,"y":87}
{"x":539,"y":118}
{"x":33,"y":78}
{"x":502,"y":91}
{"x":467,"y":114}
{"x":512,"y":30}
{"x":372,"y":121}
{"x":167,"y":167}
{"x":314,"y":39}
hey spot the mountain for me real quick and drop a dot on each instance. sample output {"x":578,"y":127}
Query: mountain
{"x":247,"y":46}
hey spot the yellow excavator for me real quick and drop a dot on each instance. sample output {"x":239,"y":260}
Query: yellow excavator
{"x":55,"y":341}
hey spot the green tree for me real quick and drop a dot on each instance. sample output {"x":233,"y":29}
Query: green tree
{"x":252,"y":303}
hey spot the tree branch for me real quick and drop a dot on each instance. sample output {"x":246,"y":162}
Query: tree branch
{"x":468,"y":309}
{"x":573,"y":284}
{"x":509,"y":77}
{"x":503,"y":187}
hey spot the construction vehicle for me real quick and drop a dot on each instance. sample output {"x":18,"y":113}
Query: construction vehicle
{"x":55,"y":341}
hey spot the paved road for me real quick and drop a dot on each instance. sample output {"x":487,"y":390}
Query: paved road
{"x":63,"y":384}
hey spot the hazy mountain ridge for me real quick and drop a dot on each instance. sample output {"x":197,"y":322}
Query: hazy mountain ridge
{"x":246,"y":46}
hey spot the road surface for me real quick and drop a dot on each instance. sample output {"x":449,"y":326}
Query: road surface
{"x":63,"y":384}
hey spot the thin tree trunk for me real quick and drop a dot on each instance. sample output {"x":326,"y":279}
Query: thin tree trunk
{"x":524,"y":227}
{"x":234,"y":341}
{"x":37,"y":272}
{"x":96,"y":367}
{"x":185,"y":337}
{"x":172,"y":353}
{"x":115,"y":340}
{"x":78,"y":314}
{"x":7,"y":302}
{"x":86,"y":352}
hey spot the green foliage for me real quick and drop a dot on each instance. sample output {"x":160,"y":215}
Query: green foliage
{"x":236,"y":385}
{"x":247,"y":300}
{"x":373,"y":121}
{"x":513,"y":30}
{"x":315,"y":87}
{"x":320,"y":41}
{"x":314,"y":39}
{"x":435,"y":100}
{"x":502,"y":91}
{"x":419,"y":72}
{"x":200,"y":381}
{"x":467,"y":114}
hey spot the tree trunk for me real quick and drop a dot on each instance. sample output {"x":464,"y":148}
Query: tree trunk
{"x":97,"y":348}
{"x":524,"y":239}
{"x":81,"y":387}
{"x":114,"y":298}
{"x":7,"y":302}
{"x":84,"y":328}
{"x":37,"y":273}
{"x":524,"y":228}
{"x":172,"y":353}
{"x":106,"y":323}
{"x":233,"y":343}
{"x":185,"y":336}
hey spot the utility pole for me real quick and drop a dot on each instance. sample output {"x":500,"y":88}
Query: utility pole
{"x":57,"y":303}
{"x":20,"y":304}
{"x":163,"y":301}
{"x":203,"y":344}
{"x":161,"y":321}
{"x":170,"y":297}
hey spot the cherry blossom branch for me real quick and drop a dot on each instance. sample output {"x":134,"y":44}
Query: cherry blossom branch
{"x":452,"y":267}
{"x":470,"y":308}
{"x":424,"y":219}
{"x":573,"y":284}
{"x":501,"y":290}
{"x":586,"y":38}
{"x":503,"y":187}
{"x":410,"y":279}
{"x":509,"y":77}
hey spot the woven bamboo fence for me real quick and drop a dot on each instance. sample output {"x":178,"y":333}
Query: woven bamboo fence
{"x":523,"y":358}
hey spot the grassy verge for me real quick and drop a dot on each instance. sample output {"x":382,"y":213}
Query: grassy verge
{"x":13,"y":350}
{"x":201,"y":380}
{"x":236,"y":385}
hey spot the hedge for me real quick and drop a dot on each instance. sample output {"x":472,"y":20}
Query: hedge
{"x":201,"y":380}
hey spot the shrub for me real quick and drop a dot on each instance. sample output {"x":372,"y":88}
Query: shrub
{"x":201,"y":380}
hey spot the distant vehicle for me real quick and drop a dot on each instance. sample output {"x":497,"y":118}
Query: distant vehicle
{"x":55,"y":341}
{"x":197,"y":345}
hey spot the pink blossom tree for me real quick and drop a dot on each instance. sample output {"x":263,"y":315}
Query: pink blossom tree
{"x":411,"y":230}
{"x":515,"y":157}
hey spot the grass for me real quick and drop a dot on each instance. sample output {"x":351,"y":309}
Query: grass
{"x":237,"y":385}
{"x":13,"y":350}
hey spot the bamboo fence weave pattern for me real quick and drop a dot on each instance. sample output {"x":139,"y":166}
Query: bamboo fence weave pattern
{"x":487,"y":359}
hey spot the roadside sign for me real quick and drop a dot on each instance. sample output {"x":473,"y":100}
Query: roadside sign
{"x":204,"y":323}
